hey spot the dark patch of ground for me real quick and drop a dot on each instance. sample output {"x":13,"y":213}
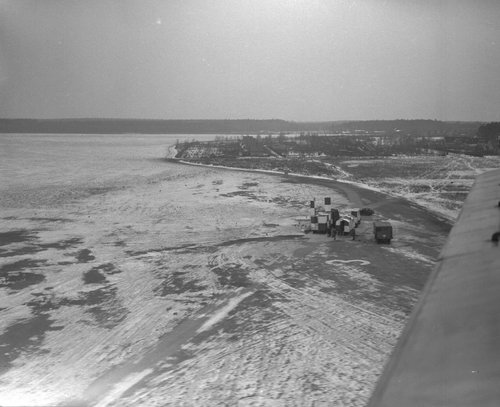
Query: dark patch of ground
{"x":247,"y":185}
{"x":28,"y":335}
{"x":93,"y":277}
{"x":15,"y":236}
{"x":12,"y":276}
{"x":99,"y":190}
{"x":20,"y":251}
{"x":20,"y":280}
{"x":163,"y":249}
{"x":177,"y":284}
{"x":284,"y":201}
{"x":43,"y":302}
{"x":33,"y":247}
{"x":249,"y":195}
{"x":232,"y":275}
{"x":62,"y":244}
{"x":23,"y":336}
{"x":20,"y":265}
{"x":108,"y":311}
{"x":98,"y":296}
{"x":102,"y":304}
{"x":260,"y":239}
{"x":84,"y":256}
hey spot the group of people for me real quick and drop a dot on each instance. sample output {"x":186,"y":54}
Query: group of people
{"x":341,"y":231}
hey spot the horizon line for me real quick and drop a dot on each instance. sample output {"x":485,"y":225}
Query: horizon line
{"x":244,"y":119}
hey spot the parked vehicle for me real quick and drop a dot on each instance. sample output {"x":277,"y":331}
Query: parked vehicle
{"x":382,"y":232}
{"x":314,"y":224}
{"x":356,"y":214}
{"x":343,"y":226}
{"x":366,"y":211}
{"x":352,"y":221}
{"x":323,"y":222}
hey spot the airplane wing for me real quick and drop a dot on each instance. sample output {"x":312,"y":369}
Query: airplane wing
{"x":449,"y":352}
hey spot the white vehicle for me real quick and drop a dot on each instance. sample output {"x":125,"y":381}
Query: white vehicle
{"x":352,"y":221}
{"x":356,"y":214}
{"x":344,"y":225}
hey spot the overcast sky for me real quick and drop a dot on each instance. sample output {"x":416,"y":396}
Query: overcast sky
{"x":290,"y":59}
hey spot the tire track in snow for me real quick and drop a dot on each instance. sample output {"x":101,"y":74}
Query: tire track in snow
{"x":330,"y":316}
{"x":127,"y":377}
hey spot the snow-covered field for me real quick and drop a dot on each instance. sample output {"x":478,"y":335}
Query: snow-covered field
{"x":437,"y":183}
{"x":127,"y":280}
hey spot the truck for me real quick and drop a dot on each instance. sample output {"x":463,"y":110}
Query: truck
{"x":350,"y":219}
{"x":382,"y":231}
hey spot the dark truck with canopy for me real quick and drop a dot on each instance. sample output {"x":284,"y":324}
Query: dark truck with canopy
{"x":382,"y":231}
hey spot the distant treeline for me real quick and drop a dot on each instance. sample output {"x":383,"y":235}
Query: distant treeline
{"x":240,"y":126}
{"x":489,"y":130}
